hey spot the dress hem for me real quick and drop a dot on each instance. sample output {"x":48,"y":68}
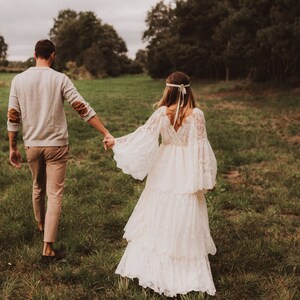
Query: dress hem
{"x":183,"y":292}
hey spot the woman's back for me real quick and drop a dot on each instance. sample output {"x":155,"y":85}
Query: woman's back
{"x":185,"y":162}
{"x":192,"y":123}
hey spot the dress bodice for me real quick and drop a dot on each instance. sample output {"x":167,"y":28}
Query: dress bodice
{"x":183,"y":161}
{"x":169,"y":136}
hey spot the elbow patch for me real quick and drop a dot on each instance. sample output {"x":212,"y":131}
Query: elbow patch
{"x":13,"y":116}
{"x":80,"y":108}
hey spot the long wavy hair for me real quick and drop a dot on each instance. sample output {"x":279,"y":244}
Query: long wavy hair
{"x":171,"y":96}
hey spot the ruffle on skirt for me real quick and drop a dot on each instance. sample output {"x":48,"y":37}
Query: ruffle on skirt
{"x":169,"y":240}
{"x":165,"y":274}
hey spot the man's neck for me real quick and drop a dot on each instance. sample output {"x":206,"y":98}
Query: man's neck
{"x":43,"y":63}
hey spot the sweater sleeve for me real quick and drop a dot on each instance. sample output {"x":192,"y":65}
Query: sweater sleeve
{"x":14,"y":112}
{"x":72,"y":96}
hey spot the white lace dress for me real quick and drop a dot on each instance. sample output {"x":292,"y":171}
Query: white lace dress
{"x":168,"y":232}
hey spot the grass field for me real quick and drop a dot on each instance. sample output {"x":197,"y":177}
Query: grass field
{"x":254,"y":211}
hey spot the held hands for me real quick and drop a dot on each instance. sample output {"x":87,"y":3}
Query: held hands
{"x":15,"y":158}
{"x":108,"y":141}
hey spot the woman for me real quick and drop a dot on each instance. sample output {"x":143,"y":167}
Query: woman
{"x":168,"y":232}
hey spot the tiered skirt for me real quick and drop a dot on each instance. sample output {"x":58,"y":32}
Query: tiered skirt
{"x":168,"y":243}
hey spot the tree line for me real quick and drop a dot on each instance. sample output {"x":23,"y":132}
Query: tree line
{"x":225,"y":39}
{"x":3,"y":52}
{"x":85,"y":41}
{"x":209,"y":39}
{"x":85,"y":45}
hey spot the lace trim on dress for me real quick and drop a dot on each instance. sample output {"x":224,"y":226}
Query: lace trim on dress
{"x":151,"y":269}
{"x":200,"y":124}
{"x":135,"y":153}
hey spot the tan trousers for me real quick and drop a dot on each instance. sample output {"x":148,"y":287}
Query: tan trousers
{"x":48,"y":167}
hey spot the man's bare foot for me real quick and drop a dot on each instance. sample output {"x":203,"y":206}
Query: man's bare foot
{"x":49,"y":255}
{"x":47,"y":249}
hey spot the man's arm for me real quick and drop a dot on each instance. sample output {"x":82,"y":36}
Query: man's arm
{"x":98,"y":125}
{"x":83,"y":108}
{"x":72,"y":96}
{"x":13,"y":126}
{"x":15,"y":157}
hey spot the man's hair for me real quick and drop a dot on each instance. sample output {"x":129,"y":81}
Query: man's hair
{"x":44,"y":48}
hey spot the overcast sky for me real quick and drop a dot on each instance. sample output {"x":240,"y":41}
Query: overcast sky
{"x":23,"y":22}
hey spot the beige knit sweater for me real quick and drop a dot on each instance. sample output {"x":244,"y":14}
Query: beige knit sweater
{"x":37,"y":101}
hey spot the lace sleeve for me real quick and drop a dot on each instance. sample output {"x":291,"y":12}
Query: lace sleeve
{"x":135,"y":153}
{"x":204,"y":162}
{"x":200,"y":125}
{"x":151,"y":127}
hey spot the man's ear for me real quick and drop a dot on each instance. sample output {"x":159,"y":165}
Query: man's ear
{"x":52,"y":56}
{"x":34,"y":56}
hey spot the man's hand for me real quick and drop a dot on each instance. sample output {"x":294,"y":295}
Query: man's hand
{"x":108,"y":136}
{"x":109,"y":141}
{"x":98,"y":125}
{"x":15,"y":158}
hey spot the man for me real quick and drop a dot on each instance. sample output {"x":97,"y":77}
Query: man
{"x":37,"y":101}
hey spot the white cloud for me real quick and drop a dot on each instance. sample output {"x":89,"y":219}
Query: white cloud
{"x":24,"y":22}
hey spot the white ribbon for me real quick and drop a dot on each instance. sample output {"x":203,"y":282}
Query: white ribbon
{"x":182,"y":91}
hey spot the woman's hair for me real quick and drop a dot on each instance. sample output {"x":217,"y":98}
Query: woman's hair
{"x":171,"y":96}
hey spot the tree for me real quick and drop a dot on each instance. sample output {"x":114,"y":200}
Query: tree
{"x":195,"y":23}
{"x":180,"y":37}
{"x":30,"y":62}
{"x":62,"y":19}
{"x":279,"y":42}
{"x":159,"y":36}
{"x":232,"y":39}
{"x":3,"y":51}
{"x":113,"y":48}
{"x":83,"y":38}
{"x":136,"y":67}
{"x":139,"y":64}
{"x":226,"y":39}
{"x":141,"y":56}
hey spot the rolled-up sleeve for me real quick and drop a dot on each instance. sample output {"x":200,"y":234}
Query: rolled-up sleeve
{"x":14,"y":112}
{"x":72,"y":96}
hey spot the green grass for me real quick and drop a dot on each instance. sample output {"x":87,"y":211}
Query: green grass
{"x":254,"y":212}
